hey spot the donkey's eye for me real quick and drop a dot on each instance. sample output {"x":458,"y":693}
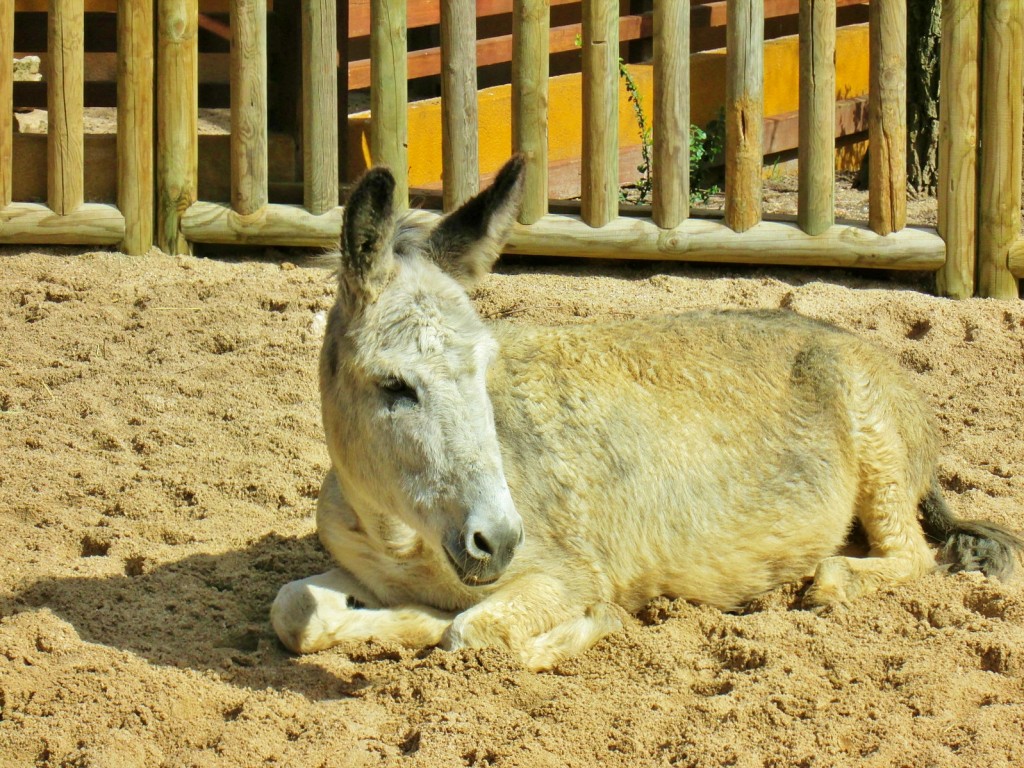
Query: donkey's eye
{"x":396,"y":389}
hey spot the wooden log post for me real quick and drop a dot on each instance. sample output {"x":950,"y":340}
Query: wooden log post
{"x":816,"y":153}
{"x":249,"y":172}
{"x":65,"y":94}
{"x":887,"y":116}
{"x":1002,"y":81}
{"x":958,"y":146}
{"x":319,"y":106}
{"x":744,"y":113}
{"x":531,"y":25}
{"x":460,"y":163}
{"x":6,"y":102}
{"x":177,"y":110}
{"x":389,"y":93}
{"x":135,"y":182}
{"x":600,"y":168}
{"x":670,"y":174}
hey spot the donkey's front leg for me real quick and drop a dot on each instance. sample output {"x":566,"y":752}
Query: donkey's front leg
{"x":321,"y":611}
{"x":535,"y":618}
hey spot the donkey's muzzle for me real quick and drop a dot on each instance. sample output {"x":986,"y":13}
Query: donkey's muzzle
{"x":482,"y":550}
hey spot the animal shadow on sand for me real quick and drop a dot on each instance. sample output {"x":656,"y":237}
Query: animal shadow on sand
{"x":206,"y":612}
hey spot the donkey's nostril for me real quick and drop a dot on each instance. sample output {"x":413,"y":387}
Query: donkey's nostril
{"x":481,"y":548}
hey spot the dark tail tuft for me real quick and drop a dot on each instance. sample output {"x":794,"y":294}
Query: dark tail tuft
{"x":969,"y":545}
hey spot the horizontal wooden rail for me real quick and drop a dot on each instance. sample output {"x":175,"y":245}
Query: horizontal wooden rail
{"x":767,"y":242}
{"x":272,"y":224}
{"x":88,"y":224}
{"x":696,"y":239}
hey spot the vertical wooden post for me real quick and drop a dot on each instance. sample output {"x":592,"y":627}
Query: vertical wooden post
{"x":744,"y":113}
{"x":460,"y":164}
{"x":343,"y":56}
{"x":816,"y":195}
{"x":6,"y":101}
{"x":531,"y":25}
{"x":958,"y":146}
{"x":887,"y":117}
{"x":135,"y":123}
{"x":389,"y":93}
{"x":1002,"y":81}
{"x":65,"y":94}
{"x":600,"y":174}
{"x":670,"y":174}
{"x":177,"y":115}
{"x":319,"y":105}
{"x":249,"y":179}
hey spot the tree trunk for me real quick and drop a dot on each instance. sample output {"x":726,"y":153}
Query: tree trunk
{"x":924,"y":23}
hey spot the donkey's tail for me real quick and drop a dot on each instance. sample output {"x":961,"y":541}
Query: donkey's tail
{"x":968,"y":545}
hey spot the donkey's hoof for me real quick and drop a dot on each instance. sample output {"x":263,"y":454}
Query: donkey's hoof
{"x":835,"y":585}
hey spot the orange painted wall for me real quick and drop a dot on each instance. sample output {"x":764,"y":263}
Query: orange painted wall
{"x":707,"y":95}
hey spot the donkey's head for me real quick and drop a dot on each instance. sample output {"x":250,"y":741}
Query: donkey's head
{"x":403,"y":375}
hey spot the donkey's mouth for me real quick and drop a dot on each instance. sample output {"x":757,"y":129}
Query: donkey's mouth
{"x":467,"y":577}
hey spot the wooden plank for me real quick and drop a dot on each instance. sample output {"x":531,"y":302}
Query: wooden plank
{"x":670,"y":174}
{"x":271,"y":225}
{"x":34,"y":224}
{"x":6,"y":101}
{"x":460,"y":163}
{"x":817,"y":114}
{"x":713,"y":14}
{"x":248,"y":105}
{"x":389,"y":94}
{"x":958,"y":147}
{"x":111,"y":6}
{"x":426,"y":13}
{"x":1002,"y":124}
{"x":135,"y":182}
{"x":887,"y":117}
{"x":426,"y":62}
{"x":177,"y":115}
{"x":65,"y":181}
{"x":600,"y":181}
{"x":101,"y":66}
{"x":319,"y":105}
{"x":531,"y":23}
{"x":744,"y":113}
{"x":768,"y":242}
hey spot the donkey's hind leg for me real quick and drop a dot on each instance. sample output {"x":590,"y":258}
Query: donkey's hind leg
{"x":899,"y":551}
{"x":324,"y":610}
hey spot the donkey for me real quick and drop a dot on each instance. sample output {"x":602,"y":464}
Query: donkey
{"x":519,"y":487}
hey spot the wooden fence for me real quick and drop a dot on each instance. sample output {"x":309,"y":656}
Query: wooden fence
{"x":979,"y":224}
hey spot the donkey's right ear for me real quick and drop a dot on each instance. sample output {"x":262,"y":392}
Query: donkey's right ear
{"x":366,"y":259}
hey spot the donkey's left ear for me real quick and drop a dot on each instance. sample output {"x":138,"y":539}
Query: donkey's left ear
{"x":468,"y":241}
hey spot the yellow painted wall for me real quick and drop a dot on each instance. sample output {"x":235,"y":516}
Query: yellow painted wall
{"x":565,"y":132}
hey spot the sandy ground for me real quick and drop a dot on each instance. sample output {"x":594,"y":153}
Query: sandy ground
{"x":159,"y":427}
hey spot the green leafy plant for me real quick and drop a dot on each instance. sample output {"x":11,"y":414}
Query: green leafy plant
{"x":707,"y":146}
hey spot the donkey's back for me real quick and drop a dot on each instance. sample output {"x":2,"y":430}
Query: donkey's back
{"x":711,"y":455}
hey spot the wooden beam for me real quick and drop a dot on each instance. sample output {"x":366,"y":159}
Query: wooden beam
{"x":65,"y":100}
{"x":744,"y":113}
{"x":531,"y":24}
{"x":135,"y":180}
{"x":887,"y":116}
{"x":768,"y":242}
{"x":460,"y":163}
{"x":600,"y":181}
{"x":817,"y":116}
{"x":670,"y":174}
{"x":6,"y":101}
{"x":1002,"y":124}
{"x":177,"y":111}
{"x":271,"y":225}
{"x":319,"y":117}
{"x":88,"y":224}
{"x":249,"y":105}
{"x":389,"y":94}
{"x":958,"y":147}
